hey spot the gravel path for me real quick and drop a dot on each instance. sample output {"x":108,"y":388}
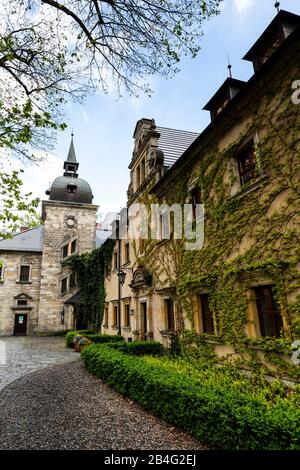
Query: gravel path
{"x":64,"y":407}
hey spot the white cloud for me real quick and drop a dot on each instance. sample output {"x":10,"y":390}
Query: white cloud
{"x":36,"y":177}
{"x":242,"y":6}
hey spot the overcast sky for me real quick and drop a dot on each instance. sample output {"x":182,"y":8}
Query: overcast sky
{"x":103,"y":126}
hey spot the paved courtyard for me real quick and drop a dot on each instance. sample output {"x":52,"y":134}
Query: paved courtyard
{"x":23,"y":355}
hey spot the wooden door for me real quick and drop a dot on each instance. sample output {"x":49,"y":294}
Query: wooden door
{"x":20,"y":324}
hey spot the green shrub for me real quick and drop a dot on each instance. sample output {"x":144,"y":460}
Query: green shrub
{"x":70,"y":336}
{"x":98,"y":338}
{"x":140,"y":348}
{"x":220,"y":416}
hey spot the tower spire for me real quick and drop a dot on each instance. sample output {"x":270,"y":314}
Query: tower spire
{"x":72,"y":155}
{"x":71,"y":165}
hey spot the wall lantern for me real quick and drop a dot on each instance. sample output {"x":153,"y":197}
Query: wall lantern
{"x":121,"y":277}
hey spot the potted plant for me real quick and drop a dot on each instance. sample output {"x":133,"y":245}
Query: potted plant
{"x":79,"y":342}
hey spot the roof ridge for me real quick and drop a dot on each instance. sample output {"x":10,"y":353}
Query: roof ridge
{"x":177,"y":130}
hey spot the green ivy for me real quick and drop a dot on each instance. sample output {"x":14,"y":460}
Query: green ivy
{"x":90,"y":270}
{"x":243,"y":235}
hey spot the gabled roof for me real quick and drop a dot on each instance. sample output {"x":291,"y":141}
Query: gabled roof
{"x":282,"y":17}
{"x":174,"y":142}
{"x":31,"y":240}
{"x":101,"y":236}
{"x":248,"y":87}
{"x":229,"y":83}
{"x":74,"y":299}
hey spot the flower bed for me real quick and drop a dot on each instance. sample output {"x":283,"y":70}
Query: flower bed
{"x":92,"y":336}
{"x":218,"y":413}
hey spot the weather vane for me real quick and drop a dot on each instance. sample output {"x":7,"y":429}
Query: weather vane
{"x":277,"y":5}
{"x":229,"y":66}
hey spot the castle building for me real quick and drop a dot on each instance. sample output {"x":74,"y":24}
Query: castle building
{"x":243,"y":286}
{"x":37,"y":293}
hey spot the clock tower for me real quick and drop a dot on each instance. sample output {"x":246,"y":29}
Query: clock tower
{"x":69,"y":218}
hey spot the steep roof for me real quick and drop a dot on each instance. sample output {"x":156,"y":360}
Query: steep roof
{"x":72,"y":155}
{"x":101,"y":236}
{"x":173,"y":142}
{"x":253,"y":81}
{"x":31,"y":240}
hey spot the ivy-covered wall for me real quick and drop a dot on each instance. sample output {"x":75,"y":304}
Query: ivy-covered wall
{"x":90,"y":269}
{"x":250,"y":236}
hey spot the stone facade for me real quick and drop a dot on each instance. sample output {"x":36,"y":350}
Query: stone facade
{"x":12,"y":290}
{"x":57,"y":234}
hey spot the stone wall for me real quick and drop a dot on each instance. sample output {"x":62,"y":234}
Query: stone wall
{"x":57,"y":233}
{"x":11,"y":287}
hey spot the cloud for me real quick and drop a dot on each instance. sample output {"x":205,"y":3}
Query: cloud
{"x":36,"y":177}
{"x":242,"y":6}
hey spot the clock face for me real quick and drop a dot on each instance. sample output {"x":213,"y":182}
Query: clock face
{"x":70,"y":222}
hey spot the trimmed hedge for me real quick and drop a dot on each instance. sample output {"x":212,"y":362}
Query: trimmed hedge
{"x":70,"y":336}
{"x":98,"y":338}
{"x":222,"y":417}
{"x":140,"y":348}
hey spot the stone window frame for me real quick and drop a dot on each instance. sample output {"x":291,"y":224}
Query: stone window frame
{"x":106,"y":315}
{"x":165,"y":301}
{"x":237,"y":188}
{"x":23,"y":304}
{"x":253,"y":327}
{"x":115,"y":311}
{"x":68,"y":284}
{"x":65,"y":278}
{"x":126,"y":252}
{"x":115,"y":264}
{"x":2,"y":268}
{"x":200,"y":320}
{"x":23,"y":297}
{"x":29,"y":281}
{"x":68,"y":244}
{"x":126,"y":303}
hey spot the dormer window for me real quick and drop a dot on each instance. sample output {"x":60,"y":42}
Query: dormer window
{"x":223,"y":96}
{"x":72,"y":188}
{"x":276,"y":33}
{"x":220,"y":105}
